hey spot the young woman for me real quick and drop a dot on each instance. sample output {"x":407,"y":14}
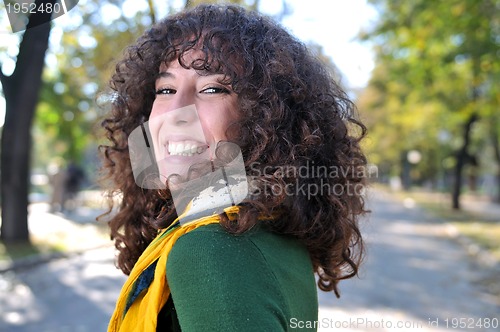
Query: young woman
{"x":242,"y":81}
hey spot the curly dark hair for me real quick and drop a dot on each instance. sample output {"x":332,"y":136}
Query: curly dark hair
{"x":294,"y":118}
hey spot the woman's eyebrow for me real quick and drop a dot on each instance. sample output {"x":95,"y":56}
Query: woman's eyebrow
{"x":206,"y":72}
{"x":164,"y":74}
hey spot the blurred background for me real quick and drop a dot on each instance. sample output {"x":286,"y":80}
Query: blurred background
{"x":424,"y":75}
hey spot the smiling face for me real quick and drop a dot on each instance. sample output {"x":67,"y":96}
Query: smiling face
{"x":190,"y":115}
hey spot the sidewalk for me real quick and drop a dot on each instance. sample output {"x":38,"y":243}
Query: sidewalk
{"x":71,"y":232}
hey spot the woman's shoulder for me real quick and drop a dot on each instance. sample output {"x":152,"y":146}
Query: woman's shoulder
{"x":258,"y":253}
{"x":212,"y":243}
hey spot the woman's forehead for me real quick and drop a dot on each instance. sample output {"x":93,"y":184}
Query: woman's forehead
{"x":187,"y":57}
{"x":196,"y":59}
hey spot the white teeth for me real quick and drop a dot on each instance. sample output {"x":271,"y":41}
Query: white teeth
{"x":187,"y":149}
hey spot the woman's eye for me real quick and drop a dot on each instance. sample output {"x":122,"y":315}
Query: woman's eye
{"x":214,"y":90}
{"x":165,"y":91}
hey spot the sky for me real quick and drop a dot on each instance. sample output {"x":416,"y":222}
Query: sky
{"x":333,"y":24}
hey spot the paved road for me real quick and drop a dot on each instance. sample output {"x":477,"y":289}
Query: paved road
{"x":414,"y":275}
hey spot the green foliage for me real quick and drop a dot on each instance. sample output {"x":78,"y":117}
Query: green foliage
{"x":437,"y":64}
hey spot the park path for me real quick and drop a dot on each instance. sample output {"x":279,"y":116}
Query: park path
{"x":414,"y":274}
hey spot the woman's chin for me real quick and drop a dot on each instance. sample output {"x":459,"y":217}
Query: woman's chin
{"x":179,"y":165}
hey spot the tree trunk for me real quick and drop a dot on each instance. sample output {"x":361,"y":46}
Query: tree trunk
{"x":496,"y":150}
{"x":461,"y":159}
{"x":405,"y":171}
{"x":152,"y":11}
{"x":21,"y":96}
{"x":497,"y":197}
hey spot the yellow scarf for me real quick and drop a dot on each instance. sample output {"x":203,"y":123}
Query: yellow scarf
{"x":142,"y":313}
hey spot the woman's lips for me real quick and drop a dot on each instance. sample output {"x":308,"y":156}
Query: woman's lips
{"x":186,"y":148}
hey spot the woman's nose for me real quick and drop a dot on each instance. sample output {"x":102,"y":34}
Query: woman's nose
{"x":183,"y":116}
{"x":182,"y":110}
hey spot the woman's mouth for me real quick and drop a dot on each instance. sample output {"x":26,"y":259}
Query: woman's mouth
{"x":186,"y":148}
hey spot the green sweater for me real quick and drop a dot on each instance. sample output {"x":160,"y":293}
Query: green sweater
{"x":258,"y":281}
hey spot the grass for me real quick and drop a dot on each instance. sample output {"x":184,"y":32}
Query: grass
{"x":11,"y":251}
{"x":486,"y":234}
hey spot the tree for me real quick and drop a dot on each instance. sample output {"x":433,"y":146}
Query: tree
{"x":439,"y":67}
{"x":21,"y":91}
{"x":21,"y":95}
